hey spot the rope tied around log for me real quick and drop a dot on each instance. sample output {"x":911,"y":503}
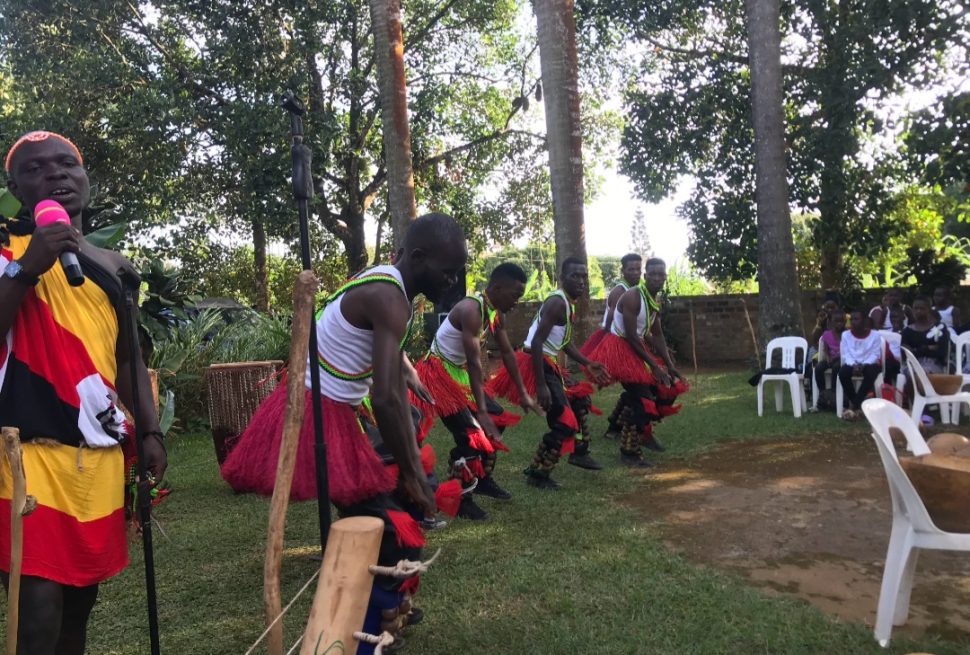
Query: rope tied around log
{"x":404,"y":569}
{"x":381,"y":642}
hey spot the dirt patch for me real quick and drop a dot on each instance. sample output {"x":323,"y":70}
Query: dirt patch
{"x":807,"y":517}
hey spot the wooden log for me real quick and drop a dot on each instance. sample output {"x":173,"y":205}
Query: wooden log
{"x":304,"y":293}
{"x":344,"y":588}
{"x":20,"y":505}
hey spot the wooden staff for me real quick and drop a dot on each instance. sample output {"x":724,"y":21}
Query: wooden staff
{"x":304,"y":293}
{"x":754,"y":337}
{"x":343,"y":591}
{"x":20,"y":506}
{"x":693,"y":338}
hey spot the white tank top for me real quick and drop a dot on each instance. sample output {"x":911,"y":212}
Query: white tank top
{"x":606,"y":310}
{"x":645,"y":317}
{"x":560,"y":335}
{"x":448,"y":343}
{"x":345,"y":352}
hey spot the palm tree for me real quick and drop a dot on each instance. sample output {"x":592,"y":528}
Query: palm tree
{"x":779,"y":310}
{"x":389,"y":51}
{"x":556,"y":29}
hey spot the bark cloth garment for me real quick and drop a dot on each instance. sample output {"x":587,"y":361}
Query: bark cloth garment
{"x":58,"y":373}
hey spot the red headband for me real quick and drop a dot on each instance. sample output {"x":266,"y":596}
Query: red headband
{"x":40,"y":135}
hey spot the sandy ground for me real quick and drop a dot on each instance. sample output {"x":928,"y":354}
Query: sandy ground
{"x":808,"y":518}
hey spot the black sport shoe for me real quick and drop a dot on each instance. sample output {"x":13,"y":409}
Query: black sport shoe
{"x":611,"y":434}
{"x":541,"y":482}
{"x":397,"y":646}
{"x":488,"y":487}
{"x":584,"y":461}
{"x":653,"y":445}
{"x":469,"y":510}
{"x":634,"y":461}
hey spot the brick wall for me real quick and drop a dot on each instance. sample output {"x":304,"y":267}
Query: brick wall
{"x":720,"y":326}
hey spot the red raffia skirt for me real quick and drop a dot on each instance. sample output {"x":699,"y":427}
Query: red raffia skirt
{"x":626,"y":367}
{"x":593,"y":341}
{"x":450,"y":397}
{"x":354,"y":470}
{"x":503,"y":386}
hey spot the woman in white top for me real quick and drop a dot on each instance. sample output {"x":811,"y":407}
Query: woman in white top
{"x":861,"y":351}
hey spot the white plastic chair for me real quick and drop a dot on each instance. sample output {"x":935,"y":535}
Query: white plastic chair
{"x":894,"y":338}
{"x":912,"y":526}
{"x":823,"y":356}
{"x":789,"y":347}
{"x":928,"y":395}
{"x":962,"y":346}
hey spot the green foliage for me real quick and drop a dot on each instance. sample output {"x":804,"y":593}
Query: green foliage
{"x":690,"y":115}
{"x":165,"y":299}
{"x":684,"y":280}
{"x":938,"y":142}
{"x":183,"y":354}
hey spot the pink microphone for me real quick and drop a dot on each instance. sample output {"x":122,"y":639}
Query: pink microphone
{"x":50,"y":211}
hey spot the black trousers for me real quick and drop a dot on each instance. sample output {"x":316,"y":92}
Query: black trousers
{"x":854,"y":398}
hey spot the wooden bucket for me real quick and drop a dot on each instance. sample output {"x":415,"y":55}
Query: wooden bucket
{"x":235,"y":391}
{"x":943,"y":482}
{"x":945,"y":385}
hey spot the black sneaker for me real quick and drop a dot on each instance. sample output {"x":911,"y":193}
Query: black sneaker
{"x":653,"y":445}
{"x":488,"y":487}
{"x":584,"y":461}
{"x":612,"y":435}
{"x":634,"y":461}
{"x":415,"y":616}
{"x":469,"y":510}
{"x":396,"y":647}
{"x":541,"y":482}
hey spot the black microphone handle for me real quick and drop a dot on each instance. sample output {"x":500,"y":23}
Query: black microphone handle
{"x":72,"y":269}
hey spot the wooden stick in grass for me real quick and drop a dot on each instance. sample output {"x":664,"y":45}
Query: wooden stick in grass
{"x":303,"y":298}
{"x":344,"y":587}
{"x":754,"y":337}
{"x":693,"y":337}
{"x":20,"y":506}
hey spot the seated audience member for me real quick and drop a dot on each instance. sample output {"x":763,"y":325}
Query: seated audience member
{"x":892,"y":300}
{"x":861,"y":352}
{"x":927,"y":338}
{"x":831,"y":343}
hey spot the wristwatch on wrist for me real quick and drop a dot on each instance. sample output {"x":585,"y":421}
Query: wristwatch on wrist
{"x":16,"y":272}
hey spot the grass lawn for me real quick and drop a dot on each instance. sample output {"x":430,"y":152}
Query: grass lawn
{"x":549,"y":573}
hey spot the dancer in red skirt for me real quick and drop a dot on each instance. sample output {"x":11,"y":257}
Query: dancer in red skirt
{"x":566,"y":404}
{"x":453,"y":374}
{"x":635,"y":352}
{"x":630,"y":266}
{"x":361,"y":335}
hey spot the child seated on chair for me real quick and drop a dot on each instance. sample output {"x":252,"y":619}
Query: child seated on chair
{"x":861,"y":354}
{"x":831,"y":342}
{"x":927,"y":338}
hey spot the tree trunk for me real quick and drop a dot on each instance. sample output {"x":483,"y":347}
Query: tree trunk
{"x":556,"y":29}
{"x":389,"y":52}
{"x":259,"y":267}
{"x":779,"y":307}
{"x":355,"y":241}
